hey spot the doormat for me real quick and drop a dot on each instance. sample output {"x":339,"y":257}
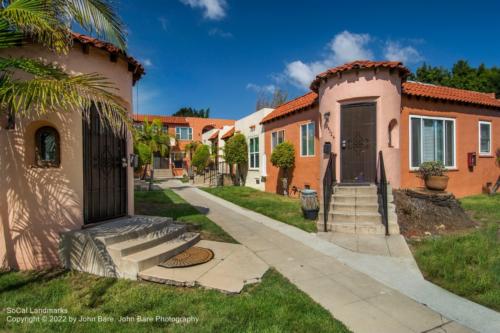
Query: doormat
{"x":193,"y":256}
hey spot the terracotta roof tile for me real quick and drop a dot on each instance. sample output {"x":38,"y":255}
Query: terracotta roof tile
{"x":451,"y":94}
{"x":228,"y":134}
{"x":137,"y":68}
{"x":358,"y":64}
{"x":163,"y":119}
{"x":214,"y":135}
{"x":295,"y":105}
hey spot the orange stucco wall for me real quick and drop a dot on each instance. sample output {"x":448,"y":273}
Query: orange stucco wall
{"x":463,"y":181}
{"x":306,"y":170}
{"x":36,"y":204}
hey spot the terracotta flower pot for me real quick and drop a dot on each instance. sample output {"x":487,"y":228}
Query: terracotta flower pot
{"x":436,"y":183}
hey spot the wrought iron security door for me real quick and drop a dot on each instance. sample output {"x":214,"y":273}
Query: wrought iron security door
{"x":105,"y":171}
{"x":358,"y":143}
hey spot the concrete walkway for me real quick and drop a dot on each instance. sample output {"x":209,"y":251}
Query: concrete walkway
{"x":354,"y":287}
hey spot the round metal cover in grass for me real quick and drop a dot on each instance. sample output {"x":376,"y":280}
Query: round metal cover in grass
{"x":193,"y":256}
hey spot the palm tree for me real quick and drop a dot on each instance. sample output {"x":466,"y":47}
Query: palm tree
{"x":48,"y":88}
{"x":151,"y":139}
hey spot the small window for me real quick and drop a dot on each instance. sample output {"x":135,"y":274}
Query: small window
{"x":184,"y":133}
{"x":277,"y":138}
{"x":47,"y":147}
{"x":307,"y":139}
{"x":254,"y":153}
{"x":484,"y":138}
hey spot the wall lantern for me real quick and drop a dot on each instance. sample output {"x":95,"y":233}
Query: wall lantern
{"x":327,"y":117}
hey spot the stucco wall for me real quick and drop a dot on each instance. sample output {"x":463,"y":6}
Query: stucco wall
{"x":37,"y":204}
{"x":306,"y":171}
{"x":380,"y":86}
{"x":250,"y":127}
{"x":463,"y":181}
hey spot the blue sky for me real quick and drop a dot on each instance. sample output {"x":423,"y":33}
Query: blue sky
{"x":223,"y":53}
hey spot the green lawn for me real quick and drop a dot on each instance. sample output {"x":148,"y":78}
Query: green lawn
{"x":275,"y":206}
{"x":274,"y":305}
{"x":467,"y":264}
{"x":167,"y":203}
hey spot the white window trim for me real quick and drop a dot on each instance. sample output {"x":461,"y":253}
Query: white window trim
{"x":190,"y":133}
{"x":482,"y":122}
{"x":249,"y":154}
{"x":452,"y":167}
{"x":307,"y":138}
{"x":284,"y":135}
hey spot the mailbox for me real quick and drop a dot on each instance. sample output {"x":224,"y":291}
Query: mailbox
{"x":327,"y":148}
{"x":471,"y":160}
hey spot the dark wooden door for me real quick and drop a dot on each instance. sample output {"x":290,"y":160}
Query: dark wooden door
{"x":105,"y":175}
{"x":358,"y":143}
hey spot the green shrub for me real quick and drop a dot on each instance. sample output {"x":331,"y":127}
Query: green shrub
{"x":236,"y":152}
{"x":144,"y":153}
{"x":283,"y":156}
{"x":201,"y":157}
{"x":434,"y":168}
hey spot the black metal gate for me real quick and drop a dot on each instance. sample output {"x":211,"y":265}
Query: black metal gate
{"x":358,"y":146}
{"x":104,"y":171}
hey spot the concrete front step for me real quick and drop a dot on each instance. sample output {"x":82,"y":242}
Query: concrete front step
{"x":353,"y":207}
{"x":135,"y":229}
{"x":132,"y":264}
{"x":355,"y":217}
{"x":155,"y":237}
{"x":356,"y":190}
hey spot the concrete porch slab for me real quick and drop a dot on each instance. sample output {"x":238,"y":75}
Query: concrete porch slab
{"x":232,"y":268}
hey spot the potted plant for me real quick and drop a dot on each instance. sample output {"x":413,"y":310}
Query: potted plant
{"x":433,"y":174}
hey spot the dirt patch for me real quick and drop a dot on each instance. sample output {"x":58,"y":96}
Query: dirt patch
{"x":421,"y":213}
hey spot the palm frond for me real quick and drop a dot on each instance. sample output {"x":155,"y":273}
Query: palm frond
{"x":43,"y":94}
{"x":31,"y":66}
{"x":37,"y":19}
{"x":99,"y":17}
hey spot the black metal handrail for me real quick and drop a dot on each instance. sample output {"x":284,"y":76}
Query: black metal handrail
{"x":329,"y":180}
{"x":382,"y":193}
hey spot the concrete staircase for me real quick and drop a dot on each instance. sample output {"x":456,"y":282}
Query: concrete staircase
{"x":355,"y":209}
{"x":125,"y":247}
{"x":163,"y":174}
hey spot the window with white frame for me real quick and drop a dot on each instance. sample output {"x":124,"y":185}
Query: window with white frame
{"x":277,"y":138}
{"x":254,"y":152}
{"x":484,"y":138}
{"x":184,"y":133}
{"x":432,"y":139}
{"x":307,"y":139}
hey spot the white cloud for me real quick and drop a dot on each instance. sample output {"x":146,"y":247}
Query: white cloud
{"x":344,"y":47}
{"x":406,"y":54}
{"x":147,"y":62}
{"x":163,"y":22}
{"x":212,"y":9}
{"x":269,"y":89}
{"x":219,"y":33}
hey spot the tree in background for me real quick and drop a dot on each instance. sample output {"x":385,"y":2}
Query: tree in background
{"x":283,"y":157}
{"x":265,"y":101}
{"x":201,"y":158}
{"x":47,"y":87}
{"x":461,"y":76}
{"x":190,"y":148}
{"x":192,"y":112}
{"x":150,"y":138}
{"x":236,"y":153}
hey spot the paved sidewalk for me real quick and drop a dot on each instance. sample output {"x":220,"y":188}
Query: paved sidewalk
{"x":352,"y":286}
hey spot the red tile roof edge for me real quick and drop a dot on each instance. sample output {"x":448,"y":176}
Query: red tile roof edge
{"x":137,"y":68}
{"x":228,"y":134}
{"x":357,"y":65}
{"x":214,"y":135}
{"x":298,"y":104}
{"x":419,"y":89}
